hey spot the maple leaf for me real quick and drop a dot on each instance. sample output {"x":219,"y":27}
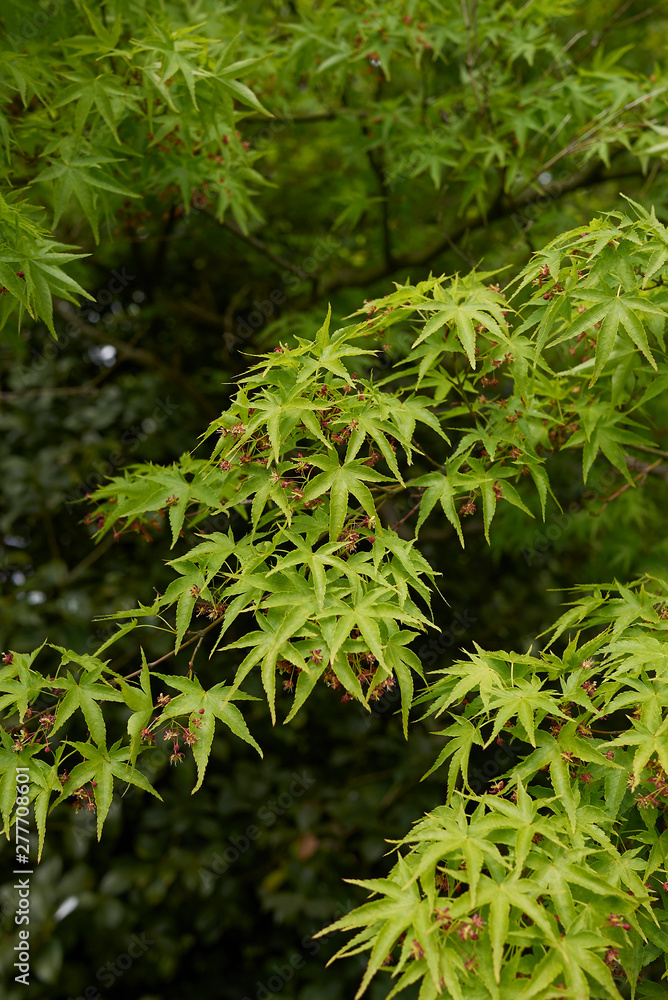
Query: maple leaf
{"x":204,"y":707}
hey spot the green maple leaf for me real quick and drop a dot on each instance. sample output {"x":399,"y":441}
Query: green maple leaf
{"x":280,"y":412}
{"x":83,"y":177}
{"x":439,"y":489}
{"x":649,"y":741}
{"x":84,"y":694}
{"x":363,"y":610}
{"x":462,"y":737}
{"x":20,"y":683}
{"x":339,"y":481}
{"x":102,"y":765}
{"x":25,"y":247}
{"x":140,"y":702}
{"x":401,"y":661}
{"x":271,"y":641}
{"x":45,"y":782}
{"x":149,"y":488}
{"x":105,"y":92}
{"x":317,"y":562}
{"x":204,"y":707}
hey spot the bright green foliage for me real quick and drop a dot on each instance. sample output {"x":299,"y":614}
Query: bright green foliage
{"x":107,"y":109}
{"x":558,"y":876}
{"x":491,"y":393}
{"x":458,"y":395}
{"x":148,"y":95}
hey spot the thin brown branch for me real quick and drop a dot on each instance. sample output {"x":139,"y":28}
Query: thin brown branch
{"x":642,"y":476}
{"x":650,"y":449}
{"x":503,"y":208}
{"x":196,"y":638}
{"x":316,"y":116}
{"x":191,"y":662}
{"x":262,"y":248}
{"x":640,"y":466}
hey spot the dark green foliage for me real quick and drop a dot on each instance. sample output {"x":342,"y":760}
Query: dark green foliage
{"x":321,"y":463}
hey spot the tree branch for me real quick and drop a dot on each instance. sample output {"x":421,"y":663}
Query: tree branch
{"x":138,"y":354}
{"x":504,"y":208}
{"x":384,"y":191}
{"x":257,"y":244}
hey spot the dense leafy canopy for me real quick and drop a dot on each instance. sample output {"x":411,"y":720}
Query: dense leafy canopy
{"x":395,"y":235}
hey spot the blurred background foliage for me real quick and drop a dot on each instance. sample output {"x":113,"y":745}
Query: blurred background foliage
{"x":377,"y":166}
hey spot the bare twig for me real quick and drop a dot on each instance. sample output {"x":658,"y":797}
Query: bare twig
{"x":503,"y":208}
{"x":642,"y":476}
{"x":657,"y":470}
{"x":196,"y":638}
{"x":87,"y":561}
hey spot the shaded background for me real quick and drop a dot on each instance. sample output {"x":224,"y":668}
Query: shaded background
{"x":181,"y":303}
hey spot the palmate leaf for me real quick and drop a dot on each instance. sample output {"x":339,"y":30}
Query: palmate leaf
{"x":614,"y":311}
{"x":102,"y":765}
{"x":140,"y":702}
{"x":462,"y":306}
{"x":525,"y":699}
{"x":339,"y":481}
{"x":317,"y":562}
{"x":150,"y":488}
{"x":271,"y":641}
{"x":367,"y":609}
{"x":401,"y":661}
{"x":83,"y":178}
{"x":20,"y":683}
{"x":518,"y":897}
{"x":208,"y":556}
{"x":11,"y":760}
{"x":26,"y":248}
{"x":280,"y":412}
{"x":84,"y":694}
{"x":481,"y":674}
{"x":649,"y":742}
{"x":45,"y":783}
{"x":439,"y":489}
{"x":463,"y":736}
{"x":398,"y":910}
{"x":104,"y":92}
{"x":204,"y":707}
